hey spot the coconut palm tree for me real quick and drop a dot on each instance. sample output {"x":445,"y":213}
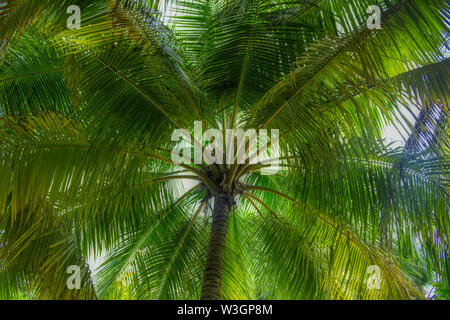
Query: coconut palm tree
{"x":88,"y":178}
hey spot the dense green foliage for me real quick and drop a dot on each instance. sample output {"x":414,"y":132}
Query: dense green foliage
{"x":86,"y":117}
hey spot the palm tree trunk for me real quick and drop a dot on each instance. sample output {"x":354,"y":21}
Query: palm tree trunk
{"x":212,"y":278}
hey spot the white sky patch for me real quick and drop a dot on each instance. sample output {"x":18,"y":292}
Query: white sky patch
{"x":396,"y":133}
{"x":169,"y":12}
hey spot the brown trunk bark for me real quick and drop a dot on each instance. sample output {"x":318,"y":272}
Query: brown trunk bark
{"x":212,"y":279}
